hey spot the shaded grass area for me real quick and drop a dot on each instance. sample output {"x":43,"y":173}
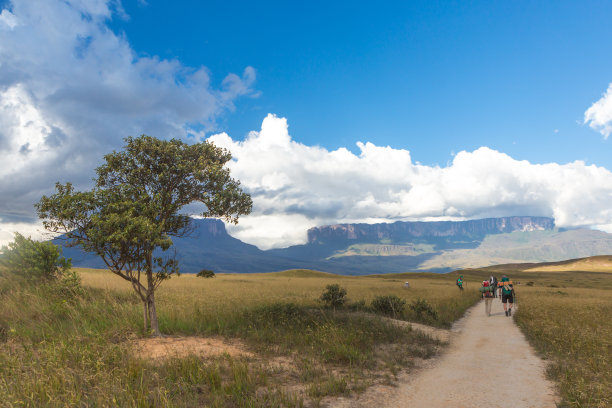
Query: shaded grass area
{"x":73,"y":350}
{"x":572,"y":328}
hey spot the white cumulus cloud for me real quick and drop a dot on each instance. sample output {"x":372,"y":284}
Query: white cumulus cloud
{"x":295,"y":186}
{"x":599,"y":115}
{"x":71,"y":89}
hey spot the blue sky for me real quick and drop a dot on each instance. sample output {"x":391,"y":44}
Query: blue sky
{"x":333,"y":112}
{"x":430,"y":77}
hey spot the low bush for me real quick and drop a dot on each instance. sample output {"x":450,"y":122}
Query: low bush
{"x":423,"y":310}
{"x":390,"y":305}
{"x":334,"y":296}
{"x":205,"y":273}
{"x":69,"y":285}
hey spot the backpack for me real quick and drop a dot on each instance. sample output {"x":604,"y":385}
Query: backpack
{"x":486,"y":289}
{"x":507,"y":288}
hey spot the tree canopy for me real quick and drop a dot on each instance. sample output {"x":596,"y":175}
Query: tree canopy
{"x":134,"y":208}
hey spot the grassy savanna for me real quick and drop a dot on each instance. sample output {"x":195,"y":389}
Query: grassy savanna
{"x":566,"y":316}
{"x":227,"y":294}
{"x":62,"y":348}
{"x":572,"y":327}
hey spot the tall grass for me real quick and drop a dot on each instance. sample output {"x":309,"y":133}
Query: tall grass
{"x":572,"y":327}
{"x":75,"y":350}
{"x":58,"y":351}
{"x":181,"y":297}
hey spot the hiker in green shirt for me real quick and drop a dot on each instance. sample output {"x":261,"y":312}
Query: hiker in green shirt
{"x":506,"y":292}
{"x":460,"y":282}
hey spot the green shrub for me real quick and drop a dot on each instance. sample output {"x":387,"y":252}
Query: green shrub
{"x":390,"y":305}
{"x":423,"y":310}
{"x":70,"y":284}
{"x":30,"y":258}
{"x":334,"y":296}
{"x":205,"y":273}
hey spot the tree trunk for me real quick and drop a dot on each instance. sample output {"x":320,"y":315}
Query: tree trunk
{"x":151,"y":296}
{"x":153,"y":316}
{"x":145,"y":316}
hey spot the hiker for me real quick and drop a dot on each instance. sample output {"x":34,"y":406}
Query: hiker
{"x":486,"y":292}
{"x":506,"y":292}
{"x":493,"y":284}
{"x":460,"y":282}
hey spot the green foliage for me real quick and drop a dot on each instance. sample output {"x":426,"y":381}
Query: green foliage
{"x":423,"y":310}
{"x":389,"y":305}
{"x":70,"y":284}
{"x":27,"y":257}
{"x":334,"y":296}
{"x":206,"y":273}
{"x":134,"y":208}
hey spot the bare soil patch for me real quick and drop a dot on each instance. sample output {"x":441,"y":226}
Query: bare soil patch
{"x":159,"y":348}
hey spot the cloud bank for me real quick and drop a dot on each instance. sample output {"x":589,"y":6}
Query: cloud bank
{"x":295,"y":186}
{"x":599,"y":115}
{"x":71,"y":89}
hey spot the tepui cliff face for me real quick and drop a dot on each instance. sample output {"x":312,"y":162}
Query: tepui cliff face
{"x":405,"y":231}
{"x":356,"y":249}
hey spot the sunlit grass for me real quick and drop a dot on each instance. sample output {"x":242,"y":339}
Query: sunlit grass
{"x":180,"y":296}
{"x":572,"y":327}
{"x":69,"y":352}
{"x":75,"y":351}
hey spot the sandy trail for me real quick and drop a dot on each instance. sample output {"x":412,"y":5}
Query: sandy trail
{"x":487,"y":356}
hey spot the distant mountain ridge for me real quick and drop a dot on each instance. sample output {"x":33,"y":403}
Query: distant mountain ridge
{"x":404,"y":231}
{"x":357,"y":249}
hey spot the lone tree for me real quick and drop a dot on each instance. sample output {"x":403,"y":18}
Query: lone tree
{"x":132,"y":212}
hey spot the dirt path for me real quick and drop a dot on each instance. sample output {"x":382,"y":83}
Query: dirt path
{"x":486,"y":356}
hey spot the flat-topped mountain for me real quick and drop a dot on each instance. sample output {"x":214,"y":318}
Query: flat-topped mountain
{"x":405,"y":231}
{"x":357,"y":249}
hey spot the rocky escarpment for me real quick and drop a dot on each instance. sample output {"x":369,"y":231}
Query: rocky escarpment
{"x":406,"y":231}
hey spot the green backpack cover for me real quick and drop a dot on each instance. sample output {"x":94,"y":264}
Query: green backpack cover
{"x":507,"y":286}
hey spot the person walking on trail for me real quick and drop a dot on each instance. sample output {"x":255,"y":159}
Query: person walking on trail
{"x":493,"y":284}
{"x":506,"y":291}
{"x":460,"y":282}
{"x":486,"y":292}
